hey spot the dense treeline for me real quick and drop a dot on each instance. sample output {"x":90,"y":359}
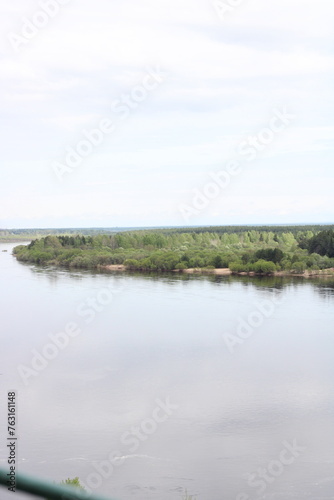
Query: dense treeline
{"x":26,"y":234}
{"x":322,"y":243}
{"x":164,"y":250}
{"x":315,"y":228}
{"x":39,"y":233}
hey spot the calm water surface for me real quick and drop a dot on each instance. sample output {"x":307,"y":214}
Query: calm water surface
{"x":172,"y":382}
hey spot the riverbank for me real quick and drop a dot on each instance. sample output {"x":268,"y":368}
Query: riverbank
{"x":252,"y":253}
{"x":227,"y":272}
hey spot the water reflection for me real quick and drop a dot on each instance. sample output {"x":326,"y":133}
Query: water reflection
{"x":270,"y":282}
{"x":325,"y":289}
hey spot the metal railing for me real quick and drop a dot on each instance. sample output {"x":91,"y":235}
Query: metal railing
{"x":45,"y":489}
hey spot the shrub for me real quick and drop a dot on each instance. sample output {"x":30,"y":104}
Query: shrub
{"x":298,"y":267}
{"x":217,"y":262}
{"x":80,"y":262}
{"x":131,"y":264}
{"x":19,"y":249}
{"x":264,"y":267}
{"x":181,"y":265}
{"x":238,"y":267}
{"x":146,"y":265}
{"x":286,"y":264}
{"x":42,"y":257}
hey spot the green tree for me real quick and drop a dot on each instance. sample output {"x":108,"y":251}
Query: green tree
{"x":299,"y":267}
{"x":322,"y":243}
{"x":132,"y":264}
{"x":264,"y":267}
{"x":181,"y":265}
{"x":218,"y":262}
{"x":273,"y":254}
{"x":238,"y":266}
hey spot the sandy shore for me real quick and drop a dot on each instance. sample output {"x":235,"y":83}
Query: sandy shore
{"x":226,"y":272}
{"x":114,"y":267}
{"x":309,"y":274}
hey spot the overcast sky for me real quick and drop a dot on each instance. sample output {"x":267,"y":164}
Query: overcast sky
{"x":211,"y":112}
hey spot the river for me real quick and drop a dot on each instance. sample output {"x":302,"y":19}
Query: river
{"x":147,"y":386}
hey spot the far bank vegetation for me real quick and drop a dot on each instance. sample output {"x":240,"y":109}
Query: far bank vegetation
{"x":260,"y":251}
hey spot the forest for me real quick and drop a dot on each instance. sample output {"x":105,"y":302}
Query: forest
{"x":33,"y":233}
{"x":29,"y":234}
{"x":261,"y":250}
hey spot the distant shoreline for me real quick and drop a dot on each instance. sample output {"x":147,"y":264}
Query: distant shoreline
{"x":15,"y":240}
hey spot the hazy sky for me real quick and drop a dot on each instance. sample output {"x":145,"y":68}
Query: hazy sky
{"x":209,"y":112}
